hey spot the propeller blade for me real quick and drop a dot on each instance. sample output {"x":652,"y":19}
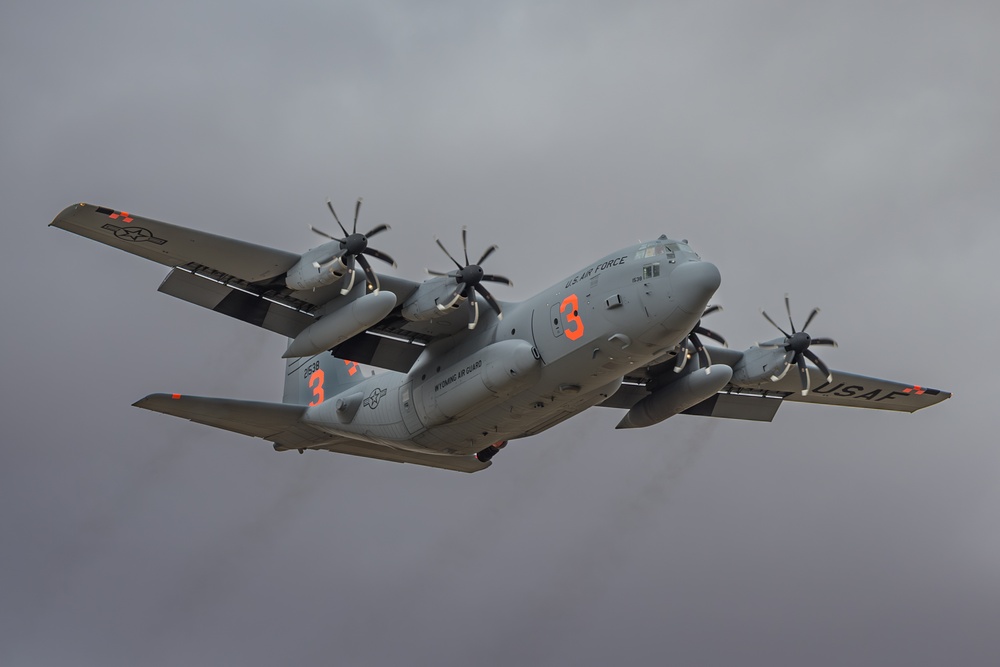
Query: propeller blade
{"x":711,"y":309}
{"x":357,"y":210}
{"x":326,"y":262}
{"x":823,"y":341}
{"x":491,"y":278}
{"x":350,"y":283}
{"x":324,"y":234}
{"x":788,"y":364}
{"x":378,"y":230}
{"x":441,"y":245}
{"x":775,"y":324}
{"x":788,"y":309}
{"x":473,"y":307}
{"x":440,"y":273}
{"x":329,"y":205}
{"x":814,"y":313}
{"x":704,"y":359}
{"x":489,"y":251}
{"x":483,"y":292}
{"x":803,"y":373}
{"x":378,"y":254}
{"x":372,"y":278}
{"x":683,"y":355}
{"x":451,"y":300}
{"x":465,"y":245}
{"x":819,"y":364}
{"x":708,"y":333}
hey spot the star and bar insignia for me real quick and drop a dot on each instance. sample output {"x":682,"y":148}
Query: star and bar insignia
{"x":132,"y":234}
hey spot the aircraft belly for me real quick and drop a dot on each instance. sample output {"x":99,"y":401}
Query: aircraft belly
{"x":525,"y":414}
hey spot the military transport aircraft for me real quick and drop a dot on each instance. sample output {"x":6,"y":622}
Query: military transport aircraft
{"x":463,"y":372}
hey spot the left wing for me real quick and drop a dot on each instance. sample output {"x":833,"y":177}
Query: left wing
{"x":860,"y":391}
{"x":760,"y":403}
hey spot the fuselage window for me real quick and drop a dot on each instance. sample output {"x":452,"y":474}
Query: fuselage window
{"x":650,"y":271}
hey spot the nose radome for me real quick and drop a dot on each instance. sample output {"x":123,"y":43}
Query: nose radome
{"x":693,"y":284}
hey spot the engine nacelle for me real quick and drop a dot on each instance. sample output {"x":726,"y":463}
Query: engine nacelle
{"x":758,"y":366}
{"x":677,"y":396}
{"x":424,"y":303}
{"x":336,"y":327}
{"x":306,"y":275}
{"x":488,"y":376}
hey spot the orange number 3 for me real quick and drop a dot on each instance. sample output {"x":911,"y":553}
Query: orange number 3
{"x":571,"y":307}
{"x":316,"y":382}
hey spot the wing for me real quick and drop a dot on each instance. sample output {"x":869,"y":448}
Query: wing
{"x":246,"y":281}
{"x":173,"y":245}
{"x":280,"y":423}
{"x":860,"y":391}
{"x":760,"y":403}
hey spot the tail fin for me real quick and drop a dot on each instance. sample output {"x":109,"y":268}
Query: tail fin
{"x":312,"y":380}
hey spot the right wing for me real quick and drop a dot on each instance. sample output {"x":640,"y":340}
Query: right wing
{"x":246,"y":281}
{"x":280,"y":423}
{"x":173,"y":245}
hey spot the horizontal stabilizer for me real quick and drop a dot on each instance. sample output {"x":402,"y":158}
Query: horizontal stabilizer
{"x":280,"y":423}
{"x":276,"y":422}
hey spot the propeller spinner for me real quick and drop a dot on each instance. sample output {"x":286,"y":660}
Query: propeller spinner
{"x":796,"y":346}
{"x":354,"y":246}
{"x":469,"y":279}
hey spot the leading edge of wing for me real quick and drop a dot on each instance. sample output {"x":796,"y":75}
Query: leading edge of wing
{"x":173,"y":245}
{"x":280,"y":423}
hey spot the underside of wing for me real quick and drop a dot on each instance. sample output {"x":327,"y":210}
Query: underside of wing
{"x":860,"y":391}
{"x":759,"y":401}
{"x":248,"y":282}
{"x":281,"y":424}
{"x":173,"y":245}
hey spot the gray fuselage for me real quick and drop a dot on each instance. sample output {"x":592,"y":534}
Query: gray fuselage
{"x":549,"y":358}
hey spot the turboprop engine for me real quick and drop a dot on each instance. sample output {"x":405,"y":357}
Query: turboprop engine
{"x":758,"y":366}
{"x":435,"y":297}
{"x":490,"y":375}
{"x":677,"y":396}
{"x":332,"y":261}
{"x":317,"y":268}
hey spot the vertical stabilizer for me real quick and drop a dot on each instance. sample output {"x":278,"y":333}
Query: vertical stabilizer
{"x":312,"y":380}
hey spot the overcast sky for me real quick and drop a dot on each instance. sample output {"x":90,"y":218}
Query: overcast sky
{"x":846,"y":153}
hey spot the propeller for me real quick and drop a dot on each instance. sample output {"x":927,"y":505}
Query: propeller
{"x":796,"y":346}
{"x":704,"y":359}
{"x":354,"y":247}
{"x":468,"y":279}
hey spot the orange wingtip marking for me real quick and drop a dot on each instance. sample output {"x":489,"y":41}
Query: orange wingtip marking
{"x":175,"y":396}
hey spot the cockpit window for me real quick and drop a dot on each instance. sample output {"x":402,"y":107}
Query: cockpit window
{"x":658,"y":250}
{"x":681,"y":248}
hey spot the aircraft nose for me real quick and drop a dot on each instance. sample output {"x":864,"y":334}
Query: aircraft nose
{"x":693,"y":284}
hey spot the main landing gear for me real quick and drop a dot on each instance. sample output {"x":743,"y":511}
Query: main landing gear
{"x":491,"y":451}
